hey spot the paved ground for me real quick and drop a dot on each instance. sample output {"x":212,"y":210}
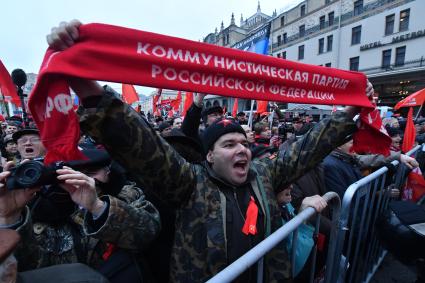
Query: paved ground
{"x":393,"y":271}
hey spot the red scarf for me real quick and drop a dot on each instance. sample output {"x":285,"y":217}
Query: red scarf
{"x":116,"y":54}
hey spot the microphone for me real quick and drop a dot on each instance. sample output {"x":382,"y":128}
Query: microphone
{"x":19,"y":77}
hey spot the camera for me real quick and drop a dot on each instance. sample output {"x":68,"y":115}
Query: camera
{"x":32,"y":174}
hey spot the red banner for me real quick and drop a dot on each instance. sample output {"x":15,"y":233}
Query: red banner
{"x":144,"y":58}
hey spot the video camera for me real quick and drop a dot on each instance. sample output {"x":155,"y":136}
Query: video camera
{"x":32,"y":174}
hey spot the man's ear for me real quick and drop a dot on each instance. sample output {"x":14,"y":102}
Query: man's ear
{"x":210,"y":156}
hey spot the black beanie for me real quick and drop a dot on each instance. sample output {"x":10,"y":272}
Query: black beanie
{"x":217,"y":129}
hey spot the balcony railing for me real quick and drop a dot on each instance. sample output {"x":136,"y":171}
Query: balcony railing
{"x":345,"y":17}
{"x":395,"y":67}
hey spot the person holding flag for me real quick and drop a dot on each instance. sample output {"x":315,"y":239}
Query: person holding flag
{"x":224,"y":206}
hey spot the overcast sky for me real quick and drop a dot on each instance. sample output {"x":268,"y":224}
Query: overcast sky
{"x":25,"y":24}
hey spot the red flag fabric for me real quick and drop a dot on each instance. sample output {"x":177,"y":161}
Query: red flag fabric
{"x":409,"y":133}
{"x":155,"y":102}
{"x":188,"y":100}
{"x":129,"y":94}
{"x":250,"y":225}
{"x":7,"y":88}
{"x":371,"y":137}
{"x":261,"y":106}
{"x":415,"y":186}
{"x":175,"y":104}
{"x":155,"y":60}
{"x":235,"y":108}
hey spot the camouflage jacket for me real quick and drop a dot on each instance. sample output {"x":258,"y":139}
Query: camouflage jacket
{"x":131,"y":223}
{"x":200,"y":249}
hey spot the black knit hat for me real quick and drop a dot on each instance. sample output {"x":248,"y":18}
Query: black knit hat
{"x":217,"y":129}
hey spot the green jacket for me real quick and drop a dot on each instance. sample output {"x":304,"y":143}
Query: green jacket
{"x":131,"y":223}
{"x":200,"y":249}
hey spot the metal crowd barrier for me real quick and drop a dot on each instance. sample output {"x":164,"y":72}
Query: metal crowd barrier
{"x":354,"y":252}
{"x":357,"y":250}
{"x":256,"y":254}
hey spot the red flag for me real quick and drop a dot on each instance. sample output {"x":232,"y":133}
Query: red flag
{"x":409,"y":133}
{"x":188,"y":100}
{"x":175,"y":104}
{"x":7,"y":88}
{"x":129,"y":94}
{"x":371,"y":137}
{"x":235,"y":108}
{"x":261,"y":106}
{"x":155,"y":102}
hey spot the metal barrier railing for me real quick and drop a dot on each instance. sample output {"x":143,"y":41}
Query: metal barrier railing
{"x":357,"y":250}
{"x":256,"y":254}
{"x":352,"y":257}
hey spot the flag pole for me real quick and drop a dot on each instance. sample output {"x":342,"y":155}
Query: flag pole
{"x":251,"y":114}
{"x":419,"y":112}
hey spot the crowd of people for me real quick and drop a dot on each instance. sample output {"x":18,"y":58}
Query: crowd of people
{"x":173,"y":199}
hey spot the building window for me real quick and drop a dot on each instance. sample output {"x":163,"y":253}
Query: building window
{"x":327,"y":1}
{"x":328,"y":65}
{"x":284,"y":55}
{"x":322,"y":22}
{"x":358,"y":7}
{"x":285,"y":38}
{"x":404,"y":20}
{"x":400,"y":53}
{"x":302,"y":30}
{"x":330,"y":42}
{"x":331,"y":17}
{"x":389,"y":24}
{"x":300,"y":52}
{"x":302,"y":11}
{"x":356,"y":34}
{"x":321,"y":45}
{"x":279,"y":40}
{"x":386,"y":58}
{"x":354,"y":63}
{"x":282,"y":21}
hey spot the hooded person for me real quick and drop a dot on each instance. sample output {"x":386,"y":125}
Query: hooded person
{"x":91,"y":216}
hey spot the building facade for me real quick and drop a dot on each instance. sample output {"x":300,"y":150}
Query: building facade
{"x":382,"y":38}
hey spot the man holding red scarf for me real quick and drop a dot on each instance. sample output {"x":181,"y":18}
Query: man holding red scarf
{"x":226,"y":205}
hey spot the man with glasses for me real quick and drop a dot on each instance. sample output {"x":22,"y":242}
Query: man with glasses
{"x":29,"y":143}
